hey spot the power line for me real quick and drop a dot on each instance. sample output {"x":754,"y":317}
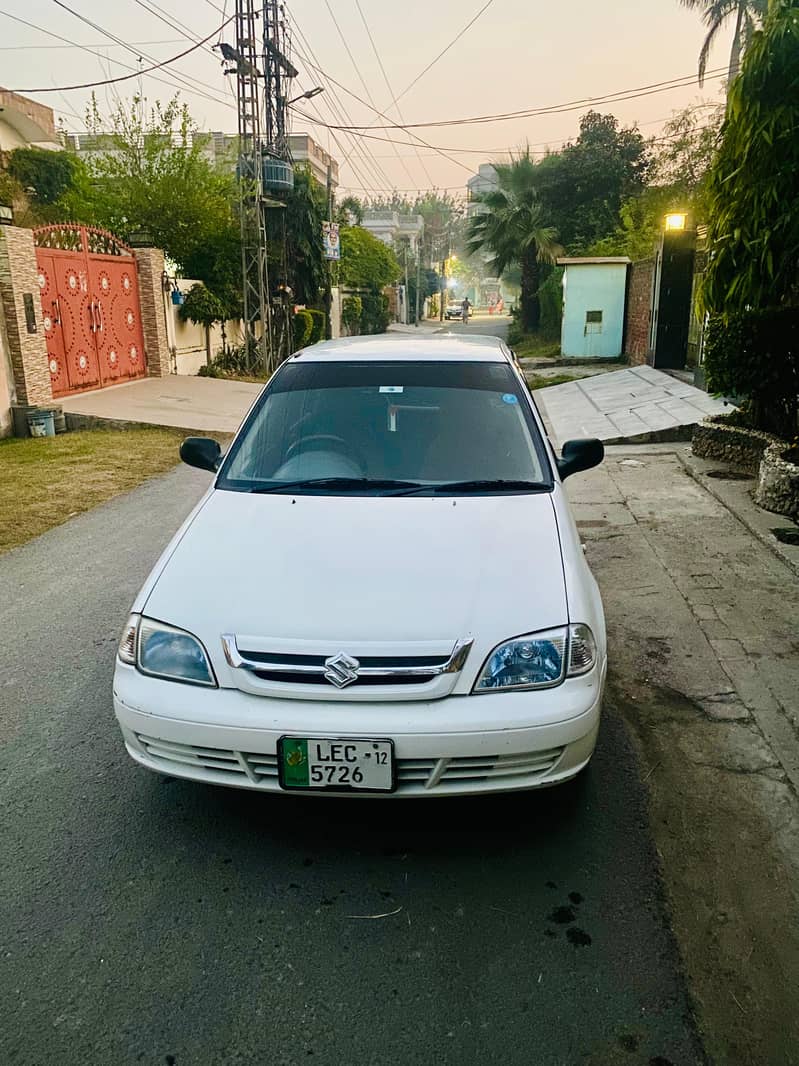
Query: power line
{"x":185,"y":80}
{"x":374,"y":171}
{"x":442,"y":53}
{"x":618,"y":96}
{"x":102,"y":44}
{"x":97,"y":55}
{"x":360,"y":75}
{"x":126,"y":77}
{"x":456,"y":188}
{"x":327,"y":100}
{"x":419,"y":76}
{"x":559,"y":140}
{"x":332,"y":101}
{"x":358,"y":129}
{"x":388,"y":86}
{"x":159,"y":13}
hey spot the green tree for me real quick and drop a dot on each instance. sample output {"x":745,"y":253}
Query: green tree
{"x":349,"y":212}
{"x":583,"y":186}
{"x":683,"y":153}
{"x":514,"y":228}
{"x":753,"y":189}
{"x":678,"y":178}
{"x":204,"y":309}
{"x":715,"y":14}
{"x":299,"y":225}
{"x":351,"y":312}
{"x":217,"y":263}
{"x":45,"y":176}
{"x":147,"y":171}
{"x":366,"y":263}
{"x":751,"y":284}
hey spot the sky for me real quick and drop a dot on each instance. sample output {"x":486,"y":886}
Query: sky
{"x":518,"y":55}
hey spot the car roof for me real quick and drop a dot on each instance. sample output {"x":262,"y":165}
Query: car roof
{"x":444,"y":347}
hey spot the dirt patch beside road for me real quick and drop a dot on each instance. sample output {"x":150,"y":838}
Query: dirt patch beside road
{"x":715,"y":801}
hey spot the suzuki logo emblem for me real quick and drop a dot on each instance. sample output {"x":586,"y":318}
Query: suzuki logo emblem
{"x":341,"y":670}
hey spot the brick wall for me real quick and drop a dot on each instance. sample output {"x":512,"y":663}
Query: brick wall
{"x":150,"y":263}
{"x":8,"y":393}
{"x":638,"y":311}
{"x":27,"y":351}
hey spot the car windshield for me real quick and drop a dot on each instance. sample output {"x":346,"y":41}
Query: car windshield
{"x":385,"y":428}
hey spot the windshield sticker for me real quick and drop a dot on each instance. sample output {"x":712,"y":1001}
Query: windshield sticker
{"x":508,"y":397}
{"x":392,"y":388}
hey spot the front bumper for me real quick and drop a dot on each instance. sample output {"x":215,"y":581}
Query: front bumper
{"x":460,"y":745}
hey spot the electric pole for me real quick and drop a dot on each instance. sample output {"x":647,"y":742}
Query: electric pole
{"x":264,"y":166}
{"x":407,"y":287}
{"x":328,"y":262}
{"x":419,"y":278}
{"x":255,"y":280}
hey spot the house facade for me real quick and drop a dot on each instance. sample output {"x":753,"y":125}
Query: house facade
{"x":25,"y":123}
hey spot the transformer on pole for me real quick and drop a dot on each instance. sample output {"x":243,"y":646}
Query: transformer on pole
{"x":263,"y":73}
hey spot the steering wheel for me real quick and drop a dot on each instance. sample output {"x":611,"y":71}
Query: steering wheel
{"x":328,"y":438}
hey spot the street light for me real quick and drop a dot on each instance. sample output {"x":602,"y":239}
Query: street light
{"x":676,"y":221}
{"x":309,"y":95}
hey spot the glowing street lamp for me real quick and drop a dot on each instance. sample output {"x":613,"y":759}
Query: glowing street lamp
{"x":676,"y":221}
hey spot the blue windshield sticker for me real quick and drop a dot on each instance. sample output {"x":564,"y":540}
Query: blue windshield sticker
{"x":508,"y":397}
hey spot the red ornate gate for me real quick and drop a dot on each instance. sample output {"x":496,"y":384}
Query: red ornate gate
{"x":89,"y":289}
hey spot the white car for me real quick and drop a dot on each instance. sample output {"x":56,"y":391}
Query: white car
{"x":382,"y":593}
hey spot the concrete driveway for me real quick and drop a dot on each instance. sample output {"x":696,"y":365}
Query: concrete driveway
{"x":638,"y":404}
{"x":206,"y":405}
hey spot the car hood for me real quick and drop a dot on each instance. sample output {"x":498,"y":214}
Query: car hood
{"x":349,"y":570}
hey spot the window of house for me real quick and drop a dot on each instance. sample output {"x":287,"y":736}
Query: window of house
{"x":593,"y":322}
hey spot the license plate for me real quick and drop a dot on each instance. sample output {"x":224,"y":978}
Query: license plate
{"x":341,"y":765}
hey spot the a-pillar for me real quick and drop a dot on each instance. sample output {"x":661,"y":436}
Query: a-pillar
{"x":150,"y":264}
{"x":22,"y":307}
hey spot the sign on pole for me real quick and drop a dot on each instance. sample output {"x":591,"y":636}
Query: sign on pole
{"x":331,"y":240}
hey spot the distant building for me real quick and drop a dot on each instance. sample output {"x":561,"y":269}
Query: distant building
{"x":485,"y":180}
{"x":302,"y":146}
{"x":25,"y":123}
{"x":304,"y":149}
{"x":390,"y":226}
{"x":222,"y":148}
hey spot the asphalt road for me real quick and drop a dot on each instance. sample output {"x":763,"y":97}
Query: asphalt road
{"x":148,"y":920}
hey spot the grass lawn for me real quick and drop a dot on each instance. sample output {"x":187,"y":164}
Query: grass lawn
{"x":531,"y":346}
{"x":44,"y":481}
{"x":538,"y":381}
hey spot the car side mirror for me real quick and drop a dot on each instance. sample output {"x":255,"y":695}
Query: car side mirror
{"x":201,"y":452}
{"x":580,"y":455}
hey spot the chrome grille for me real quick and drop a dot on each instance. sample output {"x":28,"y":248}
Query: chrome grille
{"x":341,"y":670}
{"x":421,"y":776}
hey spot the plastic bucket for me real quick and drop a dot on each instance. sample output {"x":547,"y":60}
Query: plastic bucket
{"x":41,"y":424}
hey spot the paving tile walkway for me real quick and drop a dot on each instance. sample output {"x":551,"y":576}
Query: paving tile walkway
{"x":202,"y":404}
{"x":638,"y":404}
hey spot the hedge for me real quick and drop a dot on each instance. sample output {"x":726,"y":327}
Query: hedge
{"x":303,"y":327}
{"x":753,"y":356}
{"x":319,"y":322}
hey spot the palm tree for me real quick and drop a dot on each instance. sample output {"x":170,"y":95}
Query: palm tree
{"x":748,"y":14}
{"x":512,"y":228}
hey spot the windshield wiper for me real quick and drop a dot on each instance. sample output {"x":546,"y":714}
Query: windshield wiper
{"x":480,"y":485}
{"x":337,"y":483}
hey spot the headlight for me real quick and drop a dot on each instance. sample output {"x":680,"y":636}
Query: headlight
{"x":164,"y":651}
{"x":539,"y":660}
